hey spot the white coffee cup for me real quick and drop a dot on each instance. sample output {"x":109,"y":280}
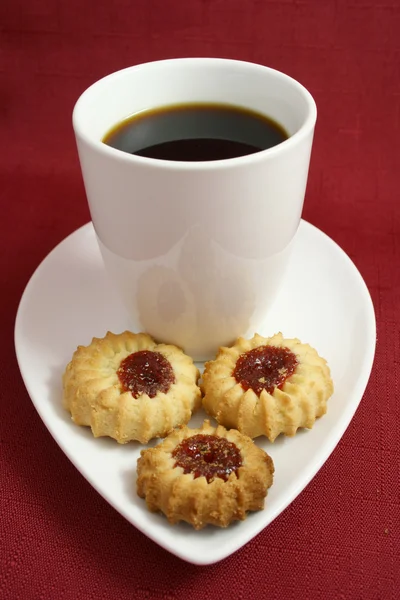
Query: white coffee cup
{"x":197,"y":250}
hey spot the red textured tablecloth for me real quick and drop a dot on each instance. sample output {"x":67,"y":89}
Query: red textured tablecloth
{"x":341,"y":537}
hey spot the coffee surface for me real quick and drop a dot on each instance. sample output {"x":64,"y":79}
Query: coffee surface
{"x":195,"y":132}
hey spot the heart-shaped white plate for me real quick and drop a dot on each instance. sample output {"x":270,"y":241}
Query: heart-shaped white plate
{"x":324,"y":301}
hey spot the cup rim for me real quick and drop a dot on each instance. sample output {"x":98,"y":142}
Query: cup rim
{"x":120,"y":155}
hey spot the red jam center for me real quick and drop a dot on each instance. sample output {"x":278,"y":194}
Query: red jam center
{"x":145,"y":372}
{"x":208,"y":456}
{"x":264,"y":368}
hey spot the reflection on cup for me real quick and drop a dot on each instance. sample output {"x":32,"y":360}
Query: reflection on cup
{"x":166,"y":307}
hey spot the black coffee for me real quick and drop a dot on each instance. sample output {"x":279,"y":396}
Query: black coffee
{"x":195,"y":132}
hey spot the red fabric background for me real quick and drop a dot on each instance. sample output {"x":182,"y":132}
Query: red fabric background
{"x":341,"y":538}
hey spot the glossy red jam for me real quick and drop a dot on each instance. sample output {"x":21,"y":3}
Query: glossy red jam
{"x":208,"y":456}
{"x":145,"y":372}
{"x":265,"y":368}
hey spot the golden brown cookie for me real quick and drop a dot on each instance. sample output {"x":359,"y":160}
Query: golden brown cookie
{"x":267,"y":386}
{"x":128,"y":387}
{"x":204,"y":476}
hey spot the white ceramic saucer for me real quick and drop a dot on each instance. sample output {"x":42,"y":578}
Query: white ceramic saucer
{"x":68,"y":301}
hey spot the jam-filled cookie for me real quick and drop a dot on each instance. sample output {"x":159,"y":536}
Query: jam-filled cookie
{"x":267,"y":386}
{"x":205,"y":476}
{"x":128,"y":387}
